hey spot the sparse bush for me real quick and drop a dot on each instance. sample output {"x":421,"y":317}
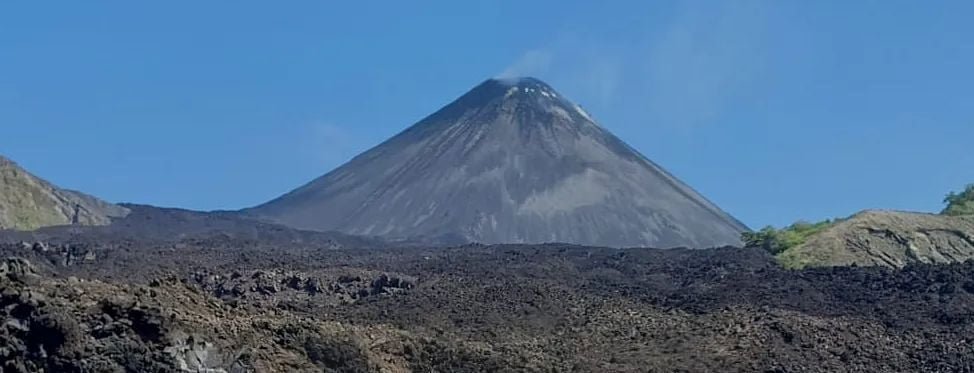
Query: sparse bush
{"x":960,"y":203}
{"x":776,"y":241}
{"x":766,"y":238}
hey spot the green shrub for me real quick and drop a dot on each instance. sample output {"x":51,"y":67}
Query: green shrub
{"x":776,"y":241}
{"x":960,"y":203}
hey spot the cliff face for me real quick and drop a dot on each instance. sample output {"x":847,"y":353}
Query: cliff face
{"x":888,"y":238}
{"x":28,"y":202}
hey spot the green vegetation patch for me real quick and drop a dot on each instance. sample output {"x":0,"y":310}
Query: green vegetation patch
{"x":777,"y":241}
{"x":960,"y":203}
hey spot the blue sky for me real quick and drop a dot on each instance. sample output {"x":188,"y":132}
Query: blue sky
{"x":775,"y":110}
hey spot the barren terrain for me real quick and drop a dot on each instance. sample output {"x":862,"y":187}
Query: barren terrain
{"x":219,"y":303}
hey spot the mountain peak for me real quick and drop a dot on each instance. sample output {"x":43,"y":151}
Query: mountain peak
{"x":511,"y":86}
{"x":510,"y":161}
{"x":524,"y":81}
{"x":530,"y":99}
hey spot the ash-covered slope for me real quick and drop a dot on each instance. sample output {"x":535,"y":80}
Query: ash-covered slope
{"x":510,"y":161}
{"x":28,"y":202}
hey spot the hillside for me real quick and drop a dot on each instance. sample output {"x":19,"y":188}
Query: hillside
{"x":887,"y":238}
{"x":28,"y":202}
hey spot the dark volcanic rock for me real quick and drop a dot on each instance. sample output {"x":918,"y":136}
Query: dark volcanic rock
{"x":146,"y":225}
{"x":510,"y":161}
{"x":551,"y":308}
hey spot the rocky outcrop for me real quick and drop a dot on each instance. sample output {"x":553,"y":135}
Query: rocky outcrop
{"x":888,"y":238}
{"x":293,"y":286}
{"x":28,"y":202}
{"x":17,"y":269}
{"x":78,"y":325}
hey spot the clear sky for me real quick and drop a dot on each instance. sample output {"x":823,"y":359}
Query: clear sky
{"x":775,"y":110}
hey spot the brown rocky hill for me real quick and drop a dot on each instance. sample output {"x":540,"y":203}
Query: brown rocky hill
{"x":28,"y":202}
{"x":887,"y":238}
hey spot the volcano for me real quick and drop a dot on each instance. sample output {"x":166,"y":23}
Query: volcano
{"x":511,"y":161}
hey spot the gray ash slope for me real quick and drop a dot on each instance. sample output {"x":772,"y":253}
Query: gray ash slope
{"x":511,"y":161}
